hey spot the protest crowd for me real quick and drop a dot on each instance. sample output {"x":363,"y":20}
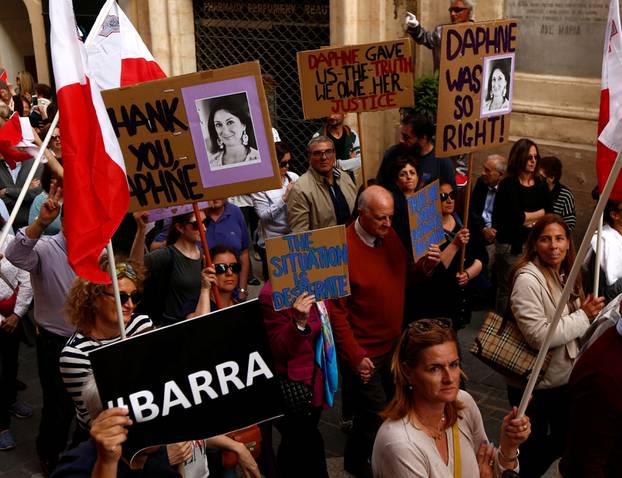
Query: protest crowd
{"x":390,"y":345}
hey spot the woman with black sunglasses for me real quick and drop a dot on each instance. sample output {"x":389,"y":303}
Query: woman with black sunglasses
{"x":174,"y":281}
{"x":447,"y":293}
{"x":223,"y":274}
{"x":91,"y":308}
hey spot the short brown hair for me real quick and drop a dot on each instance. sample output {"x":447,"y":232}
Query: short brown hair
{"x":81,"y":299}
{"x":419,"y":336}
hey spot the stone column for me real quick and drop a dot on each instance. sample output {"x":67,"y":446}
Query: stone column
{"x":35,"y":15}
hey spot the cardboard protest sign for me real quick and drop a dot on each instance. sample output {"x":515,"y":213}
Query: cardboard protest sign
{"x":355,"y":78}
{"x":194,"y":137}
{"x":198,"y":378}
{"x":162,"y":213}
{"x":476,"y":84}
{"x":315,"y":262}
{"x":424,"y":216}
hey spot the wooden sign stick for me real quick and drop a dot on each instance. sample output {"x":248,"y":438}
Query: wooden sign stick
{"x":360,"y":132}
{"x":208,"y":258}
{"x":467,"y":204}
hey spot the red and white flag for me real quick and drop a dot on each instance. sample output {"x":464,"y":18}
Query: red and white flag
{"x":117,"y":55}
{"x":12,"y":134}
{"x":610,"y":117}
{"x":96,"y":194}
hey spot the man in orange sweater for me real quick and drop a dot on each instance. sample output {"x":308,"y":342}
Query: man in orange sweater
{"x":368,"y":323}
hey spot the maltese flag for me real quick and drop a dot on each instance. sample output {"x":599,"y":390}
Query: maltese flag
{"x":96,"y":194}
{"x":117,"y":56}
{"x":610,"y":117}
{"x":96,"y":190}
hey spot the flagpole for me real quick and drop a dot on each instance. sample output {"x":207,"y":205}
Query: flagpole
{"x":115,"y":288}
{"x":599,"y":241}
{"x":569,"y":286}
{"x":208,"y":258}
{"x":31,"y":175}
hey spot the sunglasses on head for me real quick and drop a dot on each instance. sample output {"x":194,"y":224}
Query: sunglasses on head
{"x":446,"y":196}
{"x":425,"y":325}
{"x":235,"y":267}
{"x":124,"y":296}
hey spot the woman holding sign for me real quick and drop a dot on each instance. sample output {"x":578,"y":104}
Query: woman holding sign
{"x":303,"y":349}
{"x":433,"y":428}
{"x":405,"y":179}
{"x":447,"y":293}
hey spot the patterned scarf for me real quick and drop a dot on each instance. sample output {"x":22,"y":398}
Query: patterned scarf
{"x":326,"y":356}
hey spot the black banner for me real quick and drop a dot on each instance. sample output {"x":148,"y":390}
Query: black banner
{"x":196,"y":379}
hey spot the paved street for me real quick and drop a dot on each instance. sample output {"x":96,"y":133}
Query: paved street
{"x":485,"y":385}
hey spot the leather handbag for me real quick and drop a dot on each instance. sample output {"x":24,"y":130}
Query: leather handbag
{"x":501,"y":345}
{"x":296,"y":396}
{"x":251,"y":438}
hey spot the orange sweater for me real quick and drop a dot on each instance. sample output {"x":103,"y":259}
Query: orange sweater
{"x":369,"y":321}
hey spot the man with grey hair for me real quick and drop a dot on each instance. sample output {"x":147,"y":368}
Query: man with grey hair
{"x":323,"y":196}
{"x":368,"y":323}
{"x":460,"y":11}
{"x":484,"y":193}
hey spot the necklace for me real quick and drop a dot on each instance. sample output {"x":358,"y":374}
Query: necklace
{"x":435,"y":433}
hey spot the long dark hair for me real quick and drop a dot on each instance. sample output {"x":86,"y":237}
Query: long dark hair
{"x":236,"y":105}
{"x":502,"y":65}
{"x":519,"y":155}
{"x":531,"y":255}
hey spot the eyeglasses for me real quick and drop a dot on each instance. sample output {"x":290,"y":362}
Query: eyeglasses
{"x":318,"y":154}
{"x":445,"y":196}
{"x":425,"y":325}
{"x":283,"y":164}
{"x":124,"y":296}
{"x":457,"y":9}
{"x":234,"y":267}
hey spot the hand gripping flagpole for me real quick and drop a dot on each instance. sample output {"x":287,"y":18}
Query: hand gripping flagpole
{"x":599,"y":243}
{"x":574,"y":272}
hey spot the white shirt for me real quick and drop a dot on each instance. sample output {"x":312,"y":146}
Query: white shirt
{"x":272,"y":211}
{"x":364,"y":235}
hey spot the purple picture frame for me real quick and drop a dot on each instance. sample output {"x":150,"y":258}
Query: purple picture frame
{"x":485,"y":86}
{"x":225,"y":176}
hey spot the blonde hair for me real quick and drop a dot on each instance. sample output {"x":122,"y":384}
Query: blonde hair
{"x":419,"y":336}
{"x":81,"y":301}
{"x":26,"y":82}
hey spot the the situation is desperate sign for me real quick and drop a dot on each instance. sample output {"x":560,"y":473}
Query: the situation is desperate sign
{"x":475,"y":86}
{"x":424,"y":216}
{"x":196,"y":379}
{"x":355,"y":78}
{"x":315,"y":262}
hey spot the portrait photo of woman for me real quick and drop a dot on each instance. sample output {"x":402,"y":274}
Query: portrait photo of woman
{"x":228,"y":131}
{"x":498,"y":88}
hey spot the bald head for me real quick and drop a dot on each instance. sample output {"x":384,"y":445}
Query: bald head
{"x":494,"y":169}
{"x":375,"y":207}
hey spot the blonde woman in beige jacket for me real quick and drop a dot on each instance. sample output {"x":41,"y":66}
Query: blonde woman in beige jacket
{"x":537,"y":287}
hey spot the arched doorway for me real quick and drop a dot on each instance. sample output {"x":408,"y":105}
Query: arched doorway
{"x":17,"y":52}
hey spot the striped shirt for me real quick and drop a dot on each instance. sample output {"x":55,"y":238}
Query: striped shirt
{"x":563,"y":205}
{"x":75,"y":365}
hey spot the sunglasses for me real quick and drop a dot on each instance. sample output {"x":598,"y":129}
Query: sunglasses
{"x":457,"y":9}
{"x":445,"y":196}
{"x":533,"y":156}
{"x":425,"y":325}
{"x":234,"y":267}
{"x":55,"y":137}
{"x":124,"y":296}
{"x":283,"y":164}
{"x":194,"y":225}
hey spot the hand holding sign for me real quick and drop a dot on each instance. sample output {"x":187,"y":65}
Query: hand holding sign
{"x":109,"y":432}
{"x":302,"y":307}
{"x":462,"y":238}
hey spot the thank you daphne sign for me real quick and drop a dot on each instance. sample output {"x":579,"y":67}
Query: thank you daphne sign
{"x":192,"y":380}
